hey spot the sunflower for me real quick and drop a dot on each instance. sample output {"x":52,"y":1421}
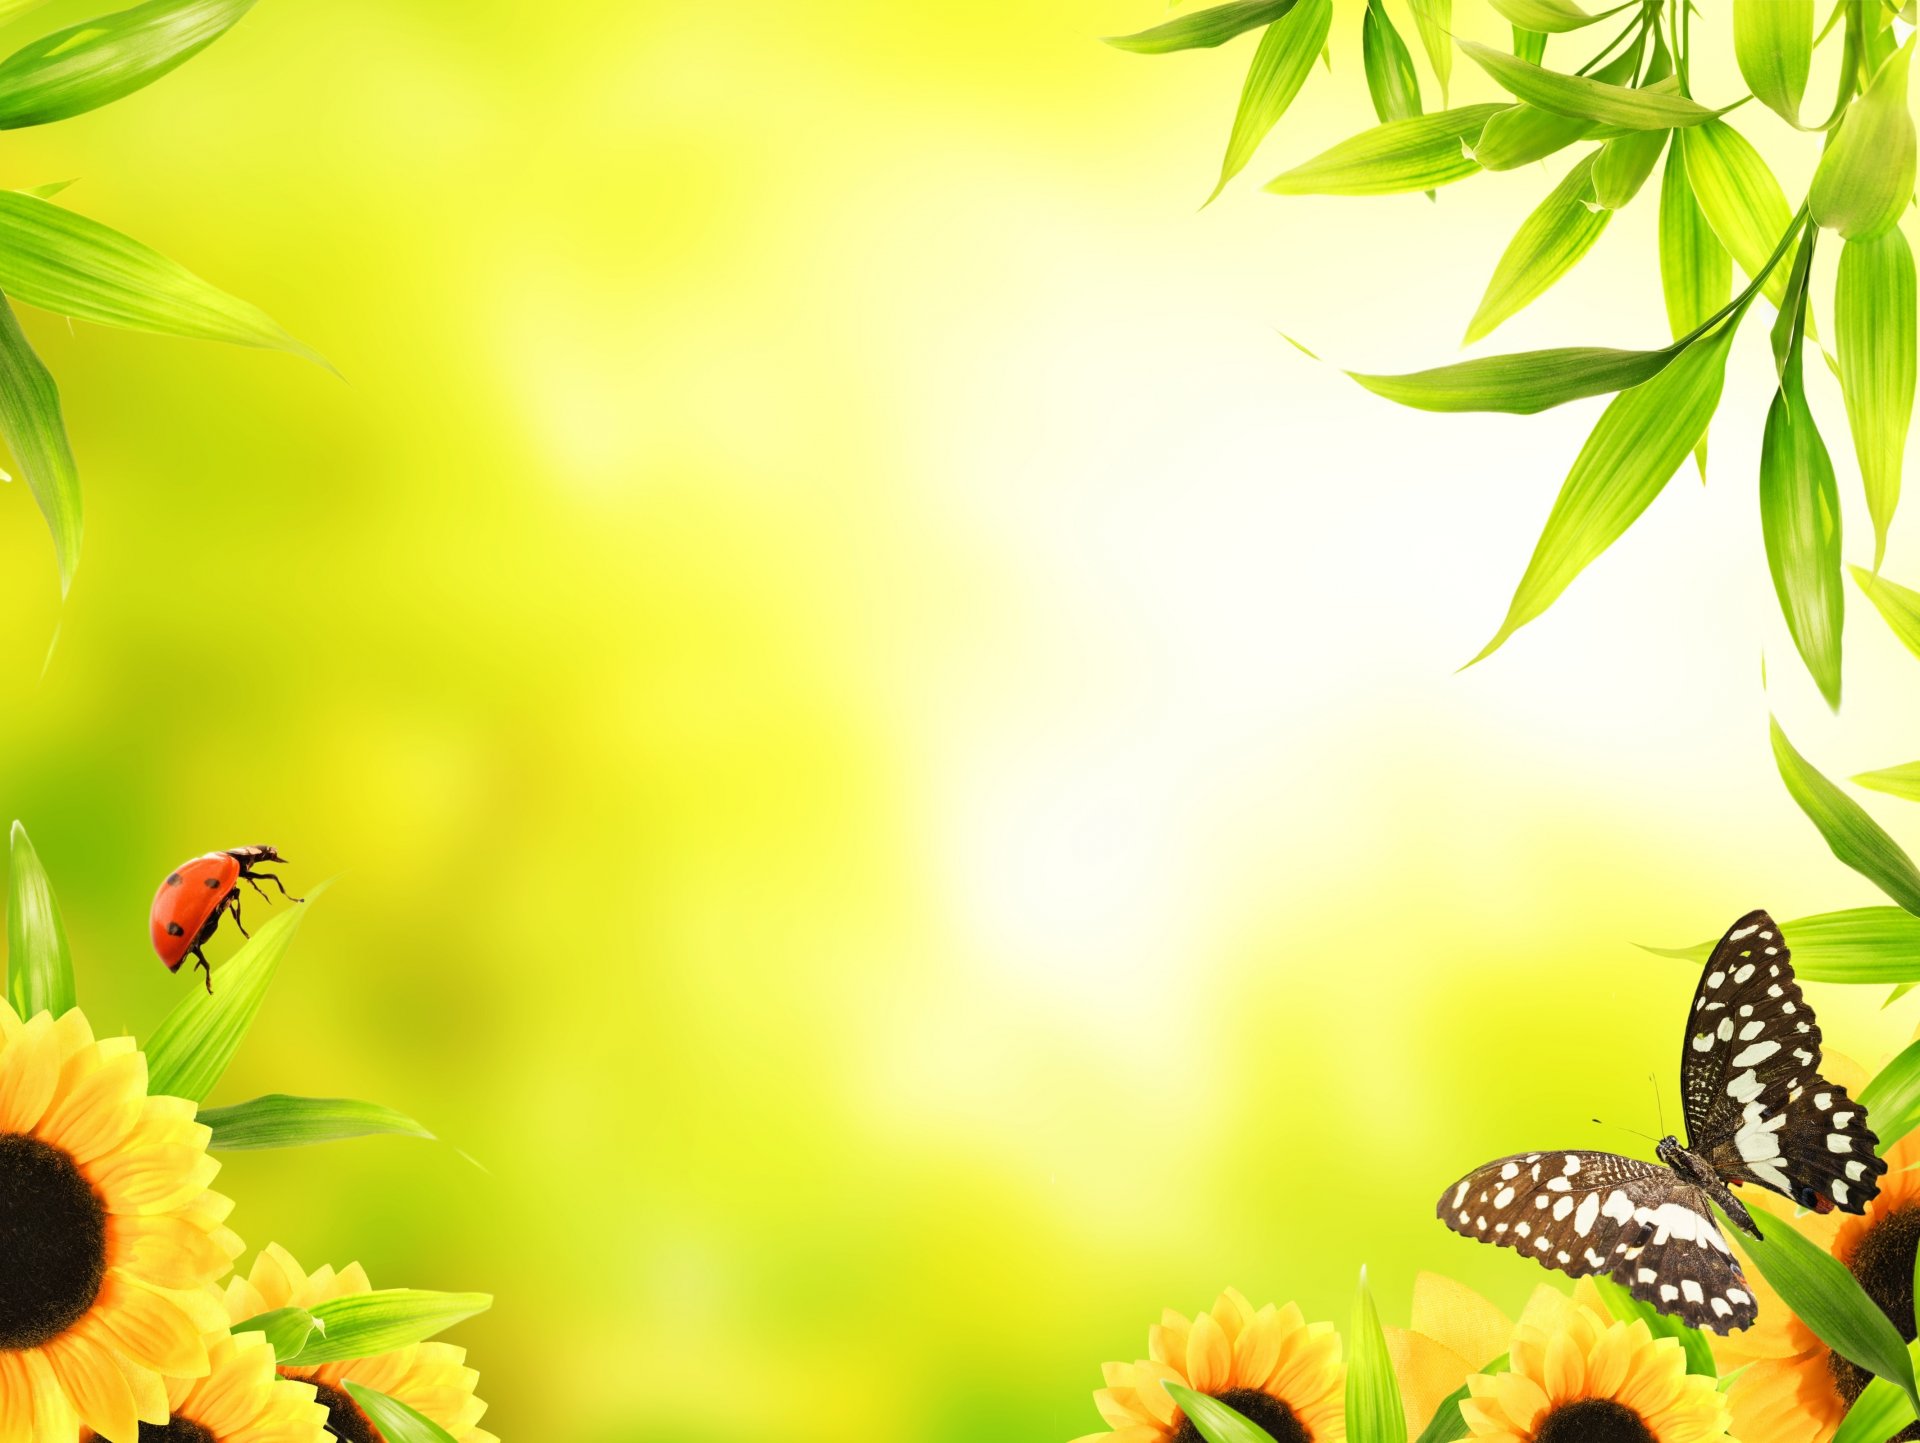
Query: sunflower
{"x":1794,"y":1388}
{"x":1454,"y":1334}
{"x":431,"y":1378}
{"x":241,"y":1400}
{"x":1580,"y":1376}
{"x":1272,"y":1366}
{"x":110,"y":1242}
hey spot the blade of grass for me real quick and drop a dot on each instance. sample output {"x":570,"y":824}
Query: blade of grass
{"x":277,"y":1120}
{"x":39,"y":962}
{"x":1215,"y":1421}
{"x":396,"y":1422}
{"x":1374,"y":1414}
{"x":360,"y":1325}
{"x":1892,"y":1099}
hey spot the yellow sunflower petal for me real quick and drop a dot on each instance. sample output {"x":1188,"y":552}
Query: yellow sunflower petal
{"x":1429,"y":1372}
{"x":101,"y":1396}
{"x":1459,"y":1319}
{"x":1209,"y":1356}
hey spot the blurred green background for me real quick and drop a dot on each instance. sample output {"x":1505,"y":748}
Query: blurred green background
{"x":891,"y":751}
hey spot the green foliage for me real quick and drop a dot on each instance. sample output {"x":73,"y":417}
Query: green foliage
{"x":35,"y":430}
{"x":1865,"y":179}
{"x":396,"y":1421}
{"x":1873,"y":332}
{"x":1861,"y":944}
{"x":281,"y":1121}
{"x":362,"y":1324}
{"x":1892,"y":1099}
{"x":1898,"y":605}
{"x":1901,"y":781}
{"x":1204,"y":28}
{"x":1855,"y":837}
{"x":1280,"y":67}
{"x":286,"y":1330}
{"x":100,"y":61}
{"x":1374,"y":1414}
{"x":39,"y":963}
{"x":1402,"y":155}
{"x":1388,"y":65}
{"x":1216,"y":1421}
{"x":1773,"y":42}
{"x":1550,"y":243}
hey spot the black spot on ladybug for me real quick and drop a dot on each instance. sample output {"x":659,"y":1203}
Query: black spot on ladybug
{"x":174,"y":880}
{"x":174,"y":929}
{"x":213,"y":881}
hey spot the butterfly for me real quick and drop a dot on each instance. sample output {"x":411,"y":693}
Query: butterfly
{"x":1757,"y":1110}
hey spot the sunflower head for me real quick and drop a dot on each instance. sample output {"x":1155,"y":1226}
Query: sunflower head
{"x":431,"y":1378}
{"x":1270,"y":1365}
{"x":241,"y":1400}
{"x":114,"y":1242}
{"x":1580,"y":1376}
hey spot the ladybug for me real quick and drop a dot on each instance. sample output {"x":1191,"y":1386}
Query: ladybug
{"x":189,"y":904}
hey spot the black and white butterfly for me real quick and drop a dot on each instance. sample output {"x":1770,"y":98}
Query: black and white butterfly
{"x":1757,"y":1110}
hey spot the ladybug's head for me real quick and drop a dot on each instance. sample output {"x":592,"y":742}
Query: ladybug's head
{"x":247,"y":856}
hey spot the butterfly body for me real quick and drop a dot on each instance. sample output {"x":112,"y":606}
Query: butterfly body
{"x":1757,"y":1111}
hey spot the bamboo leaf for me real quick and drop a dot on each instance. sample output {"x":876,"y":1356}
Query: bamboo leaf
{"x":1204,"y":28}
{"x":1741,"y":200}
{"x":1280,"y":67}
{"x":39,"y":962}
{"x":1892,"y":1099}
{"x":1871,"y":945}
{"x":277,"y":1120}
{"x":99,"y":61}
{"x":1623,"y":166}
{"x":1820,"y":1290}
{"x":1374,"y":1414}
{"x":1873,"y":324}
{"x":1523,"y":382}
{"x":1549,"y":243}
{"x":1402,"y":155}
{"x":1215,"y":1421}
{"x":1391,"y":82}
{"x":1449,"y":1424}
{"x":1877,"y":1414}
{"x":35,"y":430}
{"x":1585,"y":97}
{"x":1529,"y":45}
{"x":1865,"y":179}
{"x":1626,"y":1308}
{"x":1856,"y":839}
{"x":1642,"y":438}
{"x":396,"y":1422}
{"x":1550,"y":17}
{"x":1901,"y":781}
{"x":1899,"y":605}
{"x":61,"y":261}
{"x":1773,"y":43}
{"x":1521,"y":134}
{"x":1696,"y":273}
{"x":360,"y":1325}
{"x":193,"y":1045}
{"x":286,"y":1330}
{"x":1434,"y":20}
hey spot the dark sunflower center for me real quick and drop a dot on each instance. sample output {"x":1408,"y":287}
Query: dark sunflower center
{"x":1269,"y":1412}
{"x":1593,"y":1420}
{"x":179,"y":1430}
{"x":1883,"y":1265}
{"x":344,"y":1418}
{"x":53,"y":1242}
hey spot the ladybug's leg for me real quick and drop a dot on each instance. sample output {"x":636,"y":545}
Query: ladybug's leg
{"x":273,"y":878}
{"x":233,"y":906}
{"x":200,"y":961}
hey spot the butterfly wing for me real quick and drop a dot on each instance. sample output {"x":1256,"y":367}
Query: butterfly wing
{"x":1597,"y":1212}
{"x":1757,"y":1107}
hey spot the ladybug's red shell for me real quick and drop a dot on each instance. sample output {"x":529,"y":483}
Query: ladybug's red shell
{"x":191,"y":894}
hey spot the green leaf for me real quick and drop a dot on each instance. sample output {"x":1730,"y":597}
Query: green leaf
{"x":395,"y":1421}
{"x":1877,"y":1414}
{"x":1773,"y":42}
{"x":99,"y":61}
{"x":1869,"y":945}
{"x":1865,"y":179}
{"x":1820,"y":1290}
{"x":1523,"y":382}
{"x":1892,"y":1099}
{"x":1448,"y":1424}
{"x":1549,"y":243}
{"x":362,"y":1324}
{"x":1741,"y":200}
{"x":1901,"y":781}
{"x":1374,"y":1414}
{"x":1696,"y":273}
{"x":61,"y":261}
{"x":35,"y":430}
{"x":1899,"y":605}
{"x":1402,"y":155}
{"x":39,"y":963}
{"x":1434,"y":20}
{"x":1873,"y":326}
{"x":1585,"y":97}
{"x":1642,"y":438}
{"x":1214,"y":1420}
{"x":287,"y":1330}
{"x":1280,"y":67}
{"x":1529,"y":45}
{"x":1204,"y":28}
{"x":1856,"y":839}
{"x":1628,"y":1309}
{"x":277,"y":1120}
{"x":193,"y":1045}
{"x":1623,"y":166}
{"x":1550,"y":17}
{"x":1391,"y":81}
{"x":1521,"y":134}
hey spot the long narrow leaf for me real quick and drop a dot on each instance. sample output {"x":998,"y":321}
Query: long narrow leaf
{"x":1584,"y":97}
{"x":360,"y":1325}
{"x":1898,"y":605}
{"x":39,"y":962}
{"x":1523,"y":382}
{"x":396,"y":1422}
{"x":1529,"y":45}
{"x":1550,"y":17}
{"x":1873,"y":331}
{"x":1549,"y":243}
{"x":1773,"y":43}
{"x":1434,"y":20}
{"x":1628,"y":1309}
{"x":1204,"y":28}
{"x":1865,"y":180}
{"x":1871,"y":945}
{"x":35,"y":430}
{"x":1215,"y":1421}
{"x":1901,"y":781}
{"x":286,"y":1330}
{"x":1856,"y":839}
{"x":1403,"y":155}
{"x":1521,"y":134}
{"x":99,"y":61}
{"x":1696,"y":273}
{"x":1374,"y":1414}
{"x":192,"y":1047}
{"x":1739,"y":197}
{"x":1876,"y":1415}
{"x":1623,"y":166}
{"x":1892,"y":1099}
{"x":1280,"y":67}
{"x":277,"y":1120}
{"x":1391,"y":81}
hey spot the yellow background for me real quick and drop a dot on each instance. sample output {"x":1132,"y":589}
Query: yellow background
{"x":892,"y":751}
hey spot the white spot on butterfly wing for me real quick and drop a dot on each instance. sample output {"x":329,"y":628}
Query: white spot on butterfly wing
{"x":1758,"y":1052}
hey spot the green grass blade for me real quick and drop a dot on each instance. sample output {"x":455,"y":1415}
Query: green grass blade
{"x":1434,"y":20}
{"x":61,"y":261}
{"x":1523,"y":382}
{"x":1877,"y":1414}
{"x":1820,"y":1290}
{"x":1873,"y":330}
{"x":99,"y":61}
{"x":1773,"y":43}
{"x":1865,"y":180}
{"x":287,"y":1330}
{"x":1898,"y":605}
{"x":1585,"y":97}
{"x":1403,"y":155}
{"x":1204,"y":28}
{"x":1856,"y":839}
{"x":1549,"y":243}
{"x":193,"y":1045}
{"x":1740,"y":198}
{"x":1628,"y":1309}
{"x":1374,"y":1414}
{"x":1871,"y":945}
{"x":1550,"y":17}
{"x":1892,"y":1099}
{"x":1214,"y":1421}
{"x":363,"y":1324}
{"x":277,"y":1120}
{"x":1901,"y":781}
{"x":1280,"y":67}
{"x":1448,"y":1424}
{"x":396,"y":1422}
{"x":39,"y":962}
{"x":35,"y":430}
{"x":1391,"y":82}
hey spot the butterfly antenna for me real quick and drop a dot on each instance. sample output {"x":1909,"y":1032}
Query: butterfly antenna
{"x":1659,"y":1107}
{"x":1633,"y":1130}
